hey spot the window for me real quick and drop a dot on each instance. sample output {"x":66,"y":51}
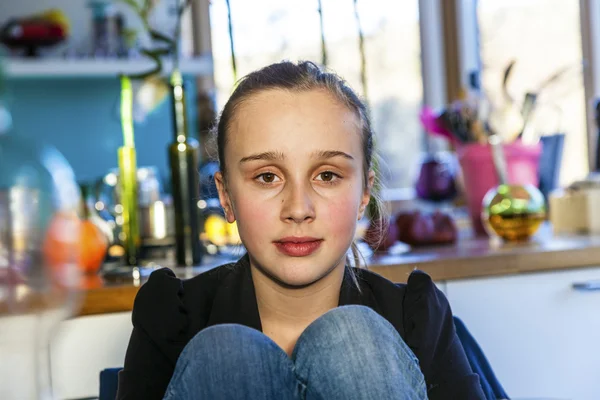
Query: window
{"x":267,"y":31}
{"x":542,"y":36}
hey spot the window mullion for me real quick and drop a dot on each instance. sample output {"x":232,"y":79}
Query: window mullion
{"x":433,"y":63}
{"x":590,"y":40}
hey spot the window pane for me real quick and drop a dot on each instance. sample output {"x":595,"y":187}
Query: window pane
{"x":543,"y":36}
{"x":264,"y":31}
{"x":267,"y":31}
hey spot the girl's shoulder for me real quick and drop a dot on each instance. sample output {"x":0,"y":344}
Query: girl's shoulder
{"x":164,"y":288}
{"x":416,"y":305}
{"x":418,"y":287}
{"x":423,"y":317}
{"x":171,"y":309}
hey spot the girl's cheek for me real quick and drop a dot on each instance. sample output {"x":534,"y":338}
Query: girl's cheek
{"x":252,"y":207}
{"x":342,"y":214}
{"x":255,"y":211}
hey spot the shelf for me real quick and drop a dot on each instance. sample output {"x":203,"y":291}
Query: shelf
{"x":98,"y":68}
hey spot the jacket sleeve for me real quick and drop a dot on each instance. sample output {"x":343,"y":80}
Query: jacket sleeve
{"x":159,"y":318}
{"x":431,"y":334}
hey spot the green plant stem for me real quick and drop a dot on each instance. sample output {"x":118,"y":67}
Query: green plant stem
{"x":231,"y":42}
{"x":167,"y":45}
{"x":127,"y":111}
{"x":324,"y":59}
{"x":361,"y":49}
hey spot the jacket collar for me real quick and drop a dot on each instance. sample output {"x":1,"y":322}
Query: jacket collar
{"x":235,"y":299}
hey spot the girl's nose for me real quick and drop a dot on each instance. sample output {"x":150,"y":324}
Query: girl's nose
{"x":298,"y":205}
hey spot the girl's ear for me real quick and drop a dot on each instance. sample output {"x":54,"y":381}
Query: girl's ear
{"x":366,"y":197}
{"x":224,"y":198}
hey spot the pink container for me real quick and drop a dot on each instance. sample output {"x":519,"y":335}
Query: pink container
{"x":479,"y":173}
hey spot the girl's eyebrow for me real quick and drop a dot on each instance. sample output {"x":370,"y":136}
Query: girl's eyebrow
{"x":267,"y":156}
{"x":327,"y":154}
{"x":279,"y":156}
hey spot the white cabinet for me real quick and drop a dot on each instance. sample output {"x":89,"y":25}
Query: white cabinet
{"x":541,"y":336}
{"x":85,"y":346}
{"x":79,"y":350}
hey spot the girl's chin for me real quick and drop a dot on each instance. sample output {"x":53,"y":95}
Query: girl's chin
{"x":295,"y":277}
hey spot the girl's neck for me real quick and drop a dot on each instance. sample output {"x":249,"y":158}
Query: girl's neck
{"x":296,"y":307}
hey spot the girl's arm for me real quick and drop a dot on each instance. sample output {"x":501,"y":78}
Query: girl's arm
{"x":431,"y":334}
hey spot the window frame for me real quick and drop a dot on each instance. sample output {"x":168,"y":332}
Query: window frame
{"x":433,"y":28}
{"x":590,"y":41}
{"x":469,"y":57}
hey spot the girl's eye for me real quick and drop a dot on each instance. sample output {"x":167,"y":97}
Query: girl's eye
{"x":267,"y":177}
{"x":328,"y":177}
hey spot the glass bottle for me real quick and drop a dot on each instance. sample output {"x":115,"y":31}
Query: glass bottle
{"x":184,"y":161}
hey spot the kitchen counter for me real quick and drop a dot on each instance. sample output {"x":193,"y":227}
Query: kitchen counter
{"x":469,"y":258}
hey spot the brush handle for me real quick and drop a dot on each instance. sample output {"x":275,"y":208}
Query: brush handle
{"x":499,"y":159}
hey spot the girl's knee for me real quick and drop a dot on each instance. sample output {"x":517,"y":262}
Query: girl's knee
{"x":223,"y":342}
{"x":350,"y":322}
{"x":349,"y":331}
{"x":222,"y":332}
{"x":358,"y":345}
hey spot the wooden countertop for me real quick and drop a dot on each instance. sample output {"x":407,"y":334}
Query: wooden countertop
{"x":469,"y":258}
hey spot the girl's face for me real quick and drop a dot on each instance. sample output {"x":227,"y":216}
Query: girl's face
{"x":295,"y":183}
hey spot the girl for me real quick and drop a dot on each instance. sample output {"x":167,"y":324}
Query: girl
{"x":291,"y":319}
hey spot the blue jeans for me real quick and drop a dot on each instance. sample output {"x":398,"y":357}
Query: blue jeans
{"x":351,"y":352}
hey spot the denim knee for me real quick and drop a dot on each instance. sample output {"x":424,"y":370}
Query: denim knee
{"x":228,"y":342}
{"x":352,"y":325}
{"x":230,"y":361}
{"x":351,"y":345}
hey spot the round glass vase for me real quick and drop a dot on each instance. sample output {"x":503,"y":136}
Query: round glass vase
{"x":39,"y":253}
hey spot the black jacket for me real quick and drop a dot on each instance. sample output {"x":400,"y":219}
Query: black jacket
{"x":168,"y":312}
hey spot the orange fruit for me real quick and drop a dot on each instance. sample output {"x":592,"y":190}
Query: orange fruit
{"x":93,"y":247}
{"x":70,"y":240}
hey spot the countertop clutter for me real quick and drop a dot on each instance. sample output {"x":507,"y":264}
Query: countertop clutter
{"x":468,"y":258}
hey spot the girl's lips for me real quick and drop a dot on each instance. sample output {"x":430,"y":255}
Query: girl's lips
{"x":298,"y":249}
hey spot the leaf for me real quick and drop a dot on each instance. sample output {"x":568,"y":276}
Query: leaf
{"x":156,"y":35}
{"x":166,"y":45}
{"x":154,"y":55}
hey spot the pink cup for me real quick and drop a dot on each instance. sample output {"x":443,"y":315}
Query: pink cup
{"x":479,"y":173}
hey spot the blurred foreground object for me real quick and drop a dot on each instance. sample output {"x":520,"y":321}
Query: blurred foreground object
{"x":39,"y":253}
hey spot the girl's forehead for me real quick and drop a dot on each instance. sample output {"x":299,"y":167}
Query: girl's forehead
{"x":282,"y":115}
{"x":278,"y":102}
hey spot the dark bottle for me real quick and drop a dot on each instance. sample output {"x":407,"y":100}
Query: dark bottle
{"x":184,"y":161}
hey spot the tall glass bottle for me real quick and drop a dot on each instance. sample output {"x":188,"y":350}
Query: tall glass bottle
{"x":128,"y":177}
{"x":184,"y":161}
